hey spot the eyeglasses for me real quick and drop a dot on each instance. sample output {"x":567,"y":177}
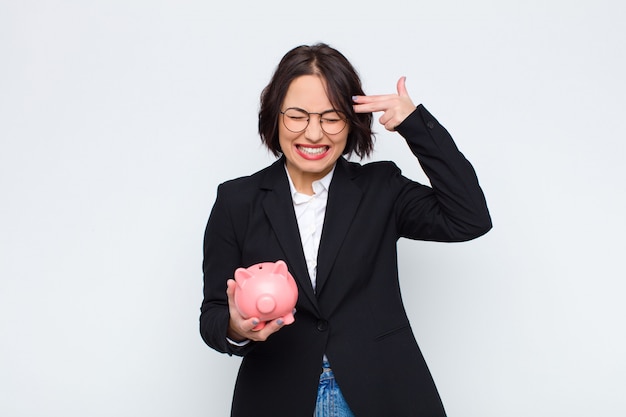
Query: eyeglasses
{"x":331,"y":121}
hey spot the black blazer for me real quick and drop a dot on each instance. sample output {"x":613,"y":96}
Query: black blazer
{"x":355,"y":316}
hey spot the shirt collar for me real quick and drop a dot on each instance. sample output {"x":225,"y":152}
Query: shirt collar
{"x":323,"y":184}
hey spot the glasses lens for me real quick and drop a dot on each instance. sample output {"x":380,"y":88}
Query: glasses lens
{"x":333,"y":122}
{"x":295,"y":120}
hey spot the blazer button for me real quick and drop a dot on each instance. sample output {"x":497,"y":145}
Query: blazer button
{"x":322,"y":325}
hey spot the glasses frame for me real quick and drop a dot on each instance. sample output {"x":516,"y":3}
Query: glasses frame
{"x":320,"y":114}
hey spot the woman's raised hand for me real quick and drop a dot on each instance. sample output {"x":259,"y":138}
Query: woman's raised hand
{"x":395,"y":107}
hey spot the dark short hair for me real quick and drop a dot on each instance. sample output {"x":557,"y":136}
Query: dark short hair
{"x":342,"y":82}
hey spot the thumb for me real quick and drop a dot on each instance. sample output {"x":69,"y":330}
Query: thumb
{"x":230,"y":290}
{"x":402,"y":91}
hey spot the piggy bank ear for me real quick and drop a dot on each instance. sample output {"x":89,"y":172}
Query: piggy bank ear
{"x":241,"y":275}
{"x":280,"y":268}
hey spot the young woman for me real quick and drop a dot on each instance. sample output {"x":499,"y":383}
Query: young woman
{"x":351,"y":350}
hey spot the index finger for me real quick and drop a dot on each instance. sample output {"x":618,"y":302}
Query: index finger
{"x":368,"y":104}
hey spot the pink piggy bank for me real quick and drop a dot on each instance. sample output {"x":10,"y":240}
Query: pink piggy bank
{"x":266,"y":290}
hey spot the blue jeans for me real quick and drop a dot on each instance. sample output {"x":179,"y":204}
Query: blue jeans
{"x":330,"y":402}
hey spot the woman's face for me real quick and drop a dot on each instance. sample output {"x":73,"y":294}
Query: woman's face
{"x":311,"y":153}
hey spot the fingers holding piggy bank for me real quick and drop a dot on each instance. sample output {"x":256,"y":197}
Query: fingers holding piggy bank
{"x":266,"y":291}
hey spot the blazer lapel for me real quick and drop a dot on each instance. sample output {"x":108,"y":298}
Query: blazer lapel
{"x":278,"y":206}
{"x":343,"y":200}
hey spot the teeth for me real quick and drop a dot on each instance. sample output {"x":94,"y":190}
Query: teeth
{"x":312,"y":151}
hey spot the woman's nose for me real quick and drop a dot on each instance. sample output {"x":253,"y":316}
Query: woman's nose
{"x":314,"y":130}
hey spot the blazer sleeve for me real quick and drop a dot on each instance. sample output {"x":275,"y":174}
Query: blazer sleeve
{"x":222,"y":255}
{"x":455,"y":209}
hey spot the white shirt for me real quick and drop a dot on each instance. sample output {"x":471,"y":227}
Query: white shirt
{"x":310,"y":211}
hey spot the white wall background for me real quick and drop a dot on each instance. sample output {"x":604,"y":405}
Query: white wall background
{"x":118,"y":119}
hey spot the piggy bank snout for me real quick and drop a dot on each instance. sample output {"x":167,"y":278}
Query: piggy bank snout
{"x":265,"y":303}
